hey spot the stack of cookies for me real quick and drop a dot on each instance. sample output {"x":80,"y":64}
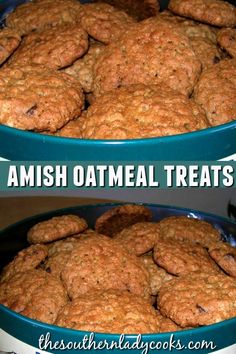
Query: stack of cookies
{"x":127,"y":275}
{"x":119,"y":69}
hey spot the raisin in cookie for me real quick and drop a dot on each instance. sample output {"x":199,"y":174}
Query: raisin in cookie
{"x":37,"y":98}
{"x":198,"y":299}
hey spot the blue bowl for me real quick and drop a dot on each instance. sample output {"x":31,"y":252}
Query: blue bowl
{"x":205,"y":145}
{"x":22,"y":335}
{"x":208,"y":144}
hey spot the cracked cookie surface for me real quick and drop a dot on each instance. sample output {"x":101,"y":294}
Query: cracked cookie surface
{"x":189,"y":229}
{"x":27,"y":259}
{"x":139,"y":238}
{"x":56,"y":228}
{"x":156,"y":110}
{"x":100,"y":263}
{"x":215,"y":12}
{"x":104,"y":22}
{"x":35,"y":294}
{"x":216,"y":92}
{"x":54,"y":48}
{"x":112,"y":311}
{"x":182,"y":257}
{"x":198,"y":299}
{"x":39,"y":14}
{"x":148,"y":53}
{"x":37,"y":98}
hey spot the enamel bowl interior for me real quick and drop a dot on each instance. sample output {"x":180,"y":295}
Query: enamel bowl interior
{"x":209,"y":144}
{"x":13,"y":239}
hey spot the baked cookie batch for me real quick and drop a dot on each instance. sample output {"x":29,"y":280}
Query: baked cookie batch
{"x":129,"y":274}
{"x":118,"y":69}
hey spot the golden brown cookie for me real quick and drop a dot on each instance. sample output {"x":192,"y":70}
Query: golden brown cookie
{"x":225,"y":256}
{"x":104,"y":22}
{"x":198,"y":299}
{"x":59,"y":253}
{"x":39,"y":14}
{"x":148,"y":53}
{"x":227,"y":40}
{"x":27,"y":259}
{"x":9,"y":41}
{"x":216,"y":92}
{"x":117,"y":218}
{"x":82,"y":69}
{"x":100,"y":263}
{"x":56,"y":228}
{"x":215,"y":12}
{"x":166,"y":324}
{"x":202,"y":37}
{"x":139,"y":9}
{"x":189,"y":27}
{"x":35,"y":294}
{"x":54,"y":48}
{"x":111,"y":311}
{"x":37,"y":98}
{"x":207,"y":52}
{"x":189,"y":229}
{"x":158,"y":275}
{"x":156,"y":110}
{"x":183,"y":257}
{"x":139,"y":238}
{"x":72,"y":129}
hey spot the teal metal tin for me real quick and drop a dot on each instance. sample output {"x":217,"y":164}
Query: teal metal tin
{"x":205,"y":145}
{"x":22,"y":335}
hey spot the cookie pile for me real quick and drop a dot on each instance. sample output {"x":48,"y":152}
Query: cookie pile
{"x":118,"y":69}
{"x":127,"y":275}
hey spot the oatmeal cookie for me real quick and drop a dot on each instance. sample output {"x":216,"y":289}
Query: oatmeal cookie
{"x":56,"y":228}
{"x":201,"y":37}
{"x":59,"y":253}
{"x":215,"y":12}
{"x":72,"y":129}
{"x":156,"y":110}
{"x":189,"y":229}
{"x":198,"y":299}
{"x":82,"y":69}
{"x":139,"y":9}
{"x":216,"y":92}
{"x":104,"y":22}
{"x":182,"y":257}
{"x":189,"y":27}
{"x":27,"y":259}
{"x":158,"y":275}
{"x":111,"y":311}
{"x":34,"y":294}
{"x":166,"y":324}
{"x":139,"y":238}
{"x":100,"y":263}
{"x":225,"y":256}
{"x":9,"y":41}
{"x":54,"y":48}
{"x":39,"y":14}
{"x":227,"y":40}
{"x":207,"y":52}
{"x":37,"y":98}
{"x":148,"y":53}
{"x":116,"y":219}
